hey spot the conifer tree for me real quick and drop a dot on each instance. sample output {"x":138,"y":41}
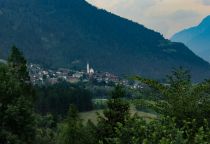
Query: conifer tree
{"x":18,"y":64}
{"x":16,"y":105}
{"x":71,"y":132}
{"x":117,"y":112}
{"x":18,"y":70}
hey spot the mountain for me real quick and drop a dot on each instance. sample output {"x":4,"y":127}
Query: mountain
{"x":70,"y":33}
{"x":197,"y":38}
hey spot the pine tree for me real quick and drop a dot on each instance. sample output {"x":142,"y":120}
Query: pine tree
{"x":117,"y":112}
{"x":18,"y":70}
{"x":16,"y":105}
{"x":71,"y":132}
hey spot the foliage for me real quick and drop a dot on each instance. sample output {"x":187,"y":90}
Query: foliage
{"x":136,"y":131}
{"x":46,"y":129}
{"x":183,"y":111}
{"x":72,"y":128}
{"x":16,"y":106}
{"x":182,"y":100}
{"x":55,"y":99}
{"x":68,"y":33}
{"x":117,"y":112}
{"x":90,"y":131}
{"x":161,"y":131}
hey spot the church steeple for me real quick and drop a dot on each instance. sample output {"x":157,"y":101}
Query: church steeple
{"x":88,"y":68}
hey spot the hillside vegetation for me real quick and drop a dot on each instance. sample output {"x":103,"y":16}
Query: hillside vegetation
{"x":70,"y":33}
{"x":182,"y":111}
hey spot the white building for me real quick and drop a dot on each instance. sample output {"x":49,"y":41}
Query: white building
{"x":90,"y":70}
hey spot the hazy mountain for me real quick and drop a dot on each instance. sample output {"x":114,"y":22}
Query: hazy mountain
{"x":197,"y":38}
{"x":68,"y":33}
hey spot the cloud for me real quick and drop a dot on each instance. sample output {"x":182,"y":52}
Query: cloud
{"x":183,"y":15}
{"x":134,"y":9}
{"x":177,"y":20}
{"x":206,"y":2}
{"x":112,"y":3}
{"x":164,"y":16}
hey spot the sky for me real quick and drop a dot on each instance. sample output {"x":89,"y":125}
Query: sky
{"x":164,"y":16}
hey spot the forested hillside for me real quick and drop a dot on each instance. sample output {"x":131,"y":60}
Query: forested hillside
{"x":182,"y":111}
{"x":68,"y":33}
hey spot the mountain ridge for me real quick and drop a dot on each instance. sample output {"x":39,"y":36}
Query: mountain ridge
{"x":68,"y":33}
{"x":197,"y":38}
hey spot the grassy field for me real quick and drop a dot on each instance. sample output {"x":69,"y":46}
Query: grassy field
{"x":91,"y":115}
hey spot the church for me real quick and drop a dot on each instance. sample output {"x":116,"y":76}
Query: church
{"x":90,"y":70}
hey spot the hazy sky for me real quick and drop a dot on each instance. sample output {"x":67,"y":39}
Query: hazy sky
{"x":164,"y":16}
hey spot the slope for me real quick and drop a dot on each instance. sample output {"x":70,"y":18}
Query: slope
{"x":68,"y":33}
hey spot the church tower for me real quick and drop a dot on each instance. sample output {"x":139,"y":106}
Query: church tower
{"x":88,"y":68}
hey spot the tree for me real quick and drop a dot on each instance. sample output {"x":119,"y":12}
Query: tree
{"x":17,"y":63}
{"x":18,"y":70}
{"x":90,"y":133}
{"x":46,"y":129}
{"x":16,"y":105}
{"x":182,"y":100}
{"x":56,"y":98}
{"x":71,"y":131}
{"x":159,"y":131}
{"x":117,"y":112}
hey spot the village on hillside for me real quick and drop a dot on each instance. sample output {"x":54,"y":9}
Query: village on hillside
{"x":42,"y":76}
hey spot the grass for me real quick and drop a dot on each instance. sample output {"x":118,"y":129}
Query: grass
{"x":91,"y":115}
